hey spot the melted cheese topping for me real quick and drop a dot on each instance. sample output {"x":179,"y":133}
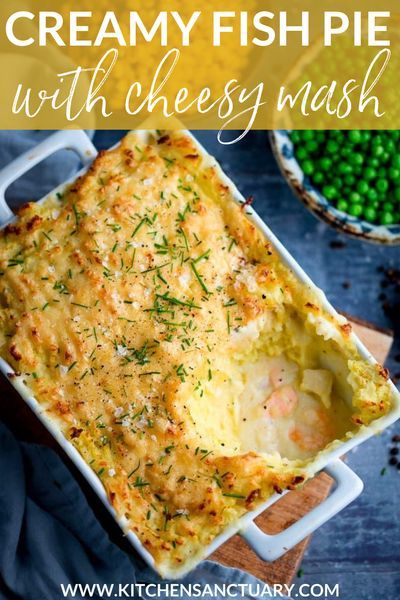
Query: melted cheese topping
{"x":158,"y":327}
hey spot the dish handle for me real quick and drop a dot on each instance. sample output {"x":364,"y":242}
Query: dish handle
{"x":272,"y":547}
{"x":75,"y":140}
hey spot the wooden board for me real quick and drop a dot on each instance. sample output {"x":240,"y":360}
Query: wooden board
{"x":294,"y":505}
{"x":235,"y":553}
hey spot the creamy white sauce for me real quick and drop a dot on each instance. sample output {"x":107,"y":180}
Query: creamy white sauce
{"x":277,"y":415}
{"x":288,"y":408}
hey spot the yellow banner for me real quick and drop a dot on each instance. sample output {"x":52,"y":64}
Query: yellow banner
{"x":215,"y":64}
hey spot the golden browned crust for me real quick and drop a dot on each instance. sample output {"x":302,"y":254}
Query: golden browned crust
{"x":118,"y":303}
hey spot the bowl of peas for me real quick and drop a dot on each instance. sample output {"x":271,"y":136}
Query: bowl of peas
{"x":350,"y":179}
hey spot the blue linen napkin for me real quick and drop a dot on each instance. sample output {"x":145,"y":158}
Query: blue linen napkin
{"x":48,"y":533}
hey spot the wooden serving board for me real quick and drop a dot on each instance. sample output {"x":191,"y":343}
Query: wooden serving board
{"x":234,"y":553}
{"x":294,"y":505}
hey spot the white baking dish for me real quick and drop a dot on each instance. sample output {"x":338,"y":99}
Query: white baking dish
{"x":268,"y":547}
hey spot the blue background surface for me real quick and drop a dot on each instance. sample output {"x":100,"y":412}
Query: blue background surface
{"x":359,"y":548}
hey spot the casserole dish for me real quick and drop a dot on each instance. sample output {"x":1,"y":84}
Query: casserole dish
{"x":348,"y":485}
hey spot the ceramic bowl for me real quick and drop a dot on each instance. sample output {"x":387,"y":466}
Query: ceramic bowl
{"x":321,"y":207}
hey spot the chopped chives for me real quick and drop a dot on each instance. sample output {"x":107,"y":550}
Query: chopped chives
{"x":229,"y":495}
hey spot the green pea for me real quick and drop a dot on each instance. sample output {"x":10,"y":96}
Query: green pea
{"x":344,"y":168}
{"x":373,"y":162}
{"x":362,"y":187}
{"x":390,"y":146}
{"x":377,"y":151}
{"x":356,"y":159}
{"x":318,"y":178}
{"x":308,"y":134}
{"x":386,"y":218}
{"x":329,"y":191}
{"x":325,"y":163}
{"x":394,"y":173}
{"x":369,"y":173}
{"x":301,"y":154}
{"x":295,"y":137}
{"x":332,"y":147}
{"x":372,"y":195}
{"x":366,"y":136}
{"x":311,"y":146}
{"x":396,"y":161}
{"x":382,"y":185}
{"x":342,"y":205}
{"x":308,"y":167}
{"x":337,"y":182}
{"x":397,"y":194}
{"x":355,"y":136}
{"x":339,"y":136}
{"x":370,"y":214}
{"x":355,"y":210}
{"x":374,"y":204}
{"x":377,"y":140}
{"x":387,"y":207}
{"x":350,"y":180}
{"x":355,"y":198}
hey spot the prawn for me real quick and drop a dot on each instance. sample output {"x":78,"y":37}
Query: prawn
{"x":282,"y":402}
{"x":314,"y":432}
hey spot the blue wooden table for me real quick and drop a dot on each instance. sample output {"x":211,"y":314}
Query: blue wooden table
{"x":360,"y":548}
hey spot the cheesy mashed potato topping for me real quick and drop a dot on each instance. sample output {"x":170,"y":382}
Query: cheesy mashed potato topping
{"x":190,"y":368}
